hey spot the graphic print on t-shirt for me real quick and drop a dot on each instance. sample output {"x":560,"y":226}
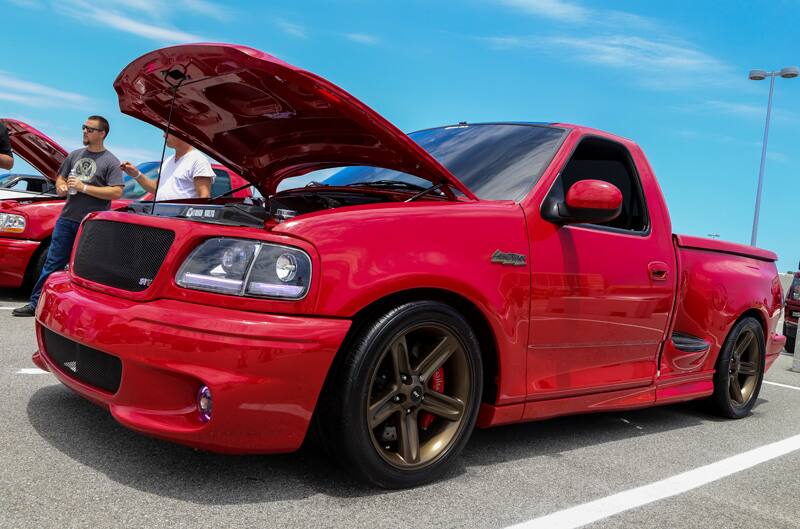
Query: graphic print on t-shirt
{"x":85,"y":169}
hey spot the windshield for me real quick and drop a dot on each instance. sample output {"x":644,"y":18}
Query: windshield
{"x":132,"y":189}
{"x":495,"y":161}
{"x":6,"y":179}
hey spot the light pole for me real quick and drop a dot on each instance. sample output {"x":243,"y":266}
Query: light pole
{"x":759,"y":75}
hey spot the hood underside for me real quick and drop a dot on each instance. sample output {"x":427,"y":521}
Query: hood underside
{"x":264,"y":118}
{"x":36,"y":148}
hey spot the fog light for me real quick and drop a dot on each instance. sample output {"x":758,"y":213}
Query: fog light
{"x":204,"y":403}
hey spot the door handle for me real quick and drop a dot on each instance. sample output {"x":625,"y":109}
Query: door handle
{"x":658,"y":271}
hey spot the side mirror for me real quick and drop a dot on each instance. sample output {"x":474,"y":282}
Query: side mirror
{"x":591,"y":201}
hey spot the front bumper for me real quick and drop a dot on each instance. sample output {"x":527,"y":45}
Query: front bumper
{"x":15,"y":254}
{"x":265,"y":371}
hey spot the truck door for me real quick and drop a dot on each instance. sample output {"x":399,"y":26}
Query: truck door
{"x":602,"y":294}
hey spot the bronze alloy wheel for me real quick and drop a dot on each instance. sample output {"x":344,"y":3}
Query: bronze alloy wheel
{"x":744,"y":368}
{"x":739,"y":369}
{"x":418,"y":396}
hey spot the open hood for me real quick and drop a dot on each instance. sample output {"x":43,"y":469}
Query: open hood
{"x":33,"y":146}
{"x":266,"y":119}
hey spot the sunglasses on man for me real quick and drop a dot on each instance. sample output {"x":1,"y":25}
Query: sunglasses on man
{"x":90,"y":129}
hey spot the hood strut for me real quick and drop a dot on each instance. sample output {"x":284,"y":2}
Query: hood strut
{"x":174,"y":78}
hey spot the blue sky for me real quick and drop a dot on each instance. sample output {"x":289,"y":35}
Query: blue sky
{"x":670,"y":75}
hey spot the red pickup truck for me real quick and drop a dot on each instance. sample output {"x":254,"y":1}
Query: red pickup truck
{"x":27,"y":221}
{"x":792,"y":312}
{"x":410,"y":288}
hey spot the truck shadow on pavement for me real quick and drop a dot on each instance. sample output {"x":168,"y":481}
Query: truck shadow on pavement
{"x":89,"y":435}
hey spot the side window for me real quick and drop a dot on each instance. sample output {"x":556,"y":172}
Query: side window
{"x":20,"y":185}
{"x":37,"y":186}
{"x":600,"y":159}
{"x":222,"y":182}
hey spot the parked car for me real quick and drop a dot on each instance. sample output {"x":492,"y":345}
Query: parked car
{"x":469,"y":274}
{"x":27,"y":221}
{"x":37,"y":184}
{"x":791,"y":312}
{"x":41,"y":152}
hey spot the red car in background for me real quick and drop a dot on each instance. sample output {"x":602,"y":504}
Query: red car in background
{"x":469,"y":274}
{"x":26,"y":222}
{"x":791,"y":313}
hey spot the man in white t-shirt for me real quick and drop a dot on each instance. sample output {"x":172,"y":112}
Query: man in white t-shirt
{"x":185,"y":174}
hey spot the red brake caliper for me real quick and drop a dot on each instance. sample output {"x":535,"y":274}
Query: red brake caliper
{"x":436,"y":384}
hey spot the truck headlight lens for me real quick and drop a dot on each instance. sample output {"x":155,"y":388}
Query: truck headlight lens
{"x":247,"y":268}
{"x":280,"y":272}
{"x":12,"y":223}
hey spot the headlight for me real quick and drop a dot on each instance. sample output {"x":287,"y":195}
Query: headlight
{"x":12,"y":223}
{"x":247,"y":268}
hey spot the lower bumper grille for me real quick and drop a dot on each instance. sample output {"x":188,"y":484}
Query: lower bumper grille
{"x":82,"y":363}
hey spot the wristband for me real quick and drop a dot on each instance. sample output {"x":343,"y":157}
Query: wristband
{"x":83,"y":189}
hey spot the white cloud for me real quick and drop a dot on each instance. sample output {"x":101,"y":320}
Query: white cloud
{"x":638,"y":53}
{"x":294,"y":30}
{"x":361,"y":38}
{"x":553,"y":9}
{"x":744,"y":110}
{"x":206,"y":8}
{"x":777,"y":157}
{"x":658,"y":63}
{"x":35,"y":94}
{"x":24,"y":100}
{"x":149,"y":31}
{"x":149,"y":19}
{"x":740,"y":109}
{"x":133,"y":154}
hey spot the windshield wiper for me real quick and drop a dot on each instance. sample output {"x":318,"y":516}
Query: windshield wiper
{"x":229,"y":192}
{"x":424,"y":192}
{"x":399,"y":184}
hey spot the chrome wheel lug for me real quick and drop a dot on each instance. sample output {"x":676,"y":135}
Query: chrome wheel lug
{"x":397,"y":398}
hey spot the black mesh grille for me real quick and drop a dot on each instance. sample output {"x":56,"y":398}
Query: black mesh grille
{"x":83,"y":363}
{"x":121,"y":255}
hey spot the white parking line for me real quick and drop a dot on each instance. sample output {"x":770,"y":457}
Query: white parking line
{"x":781,"y":385}
{"x":31,"y":371}
{"x":593,"y":511}
{"x":7,"y":308}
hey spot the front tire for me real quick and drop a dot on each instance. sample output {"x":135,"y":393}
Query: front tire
{"x":405,"y":399}
{"x":740,"y":370}
{"x":35,"y":267}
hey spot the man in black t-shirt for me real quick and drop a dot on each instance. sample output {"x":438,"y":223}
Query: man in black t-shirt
{"x":6,"y":156}
{"x":90,"y":178}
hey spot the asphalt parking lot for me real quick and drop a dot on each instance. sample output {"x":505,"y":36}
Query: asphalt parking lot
{"x":66,"y":463}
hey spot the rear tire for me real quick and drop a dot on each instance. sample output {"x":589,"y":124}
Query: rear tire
{"x":740,"y":370}
{"x":404,"y":400}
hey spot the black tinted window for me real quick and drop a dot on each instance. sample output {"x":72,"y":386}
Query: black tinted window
{"x":222,"y":182}
{"x":597,"y":159}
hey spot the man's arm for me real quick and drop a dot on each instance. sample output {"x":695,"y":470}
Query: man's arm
{"x":202,"y":184}
{"x":61,"y":186}
{"x":146,"y":183}
{"x":6,"y":154}
{"x":101,"y":192}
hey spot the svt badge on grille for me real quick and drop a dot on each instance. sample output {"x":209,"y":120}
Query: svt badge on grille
{"x":143,"y":281}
